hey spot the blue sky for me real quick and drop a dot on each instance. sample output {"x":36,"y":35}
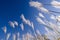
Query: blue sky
{"x":11,"y":10}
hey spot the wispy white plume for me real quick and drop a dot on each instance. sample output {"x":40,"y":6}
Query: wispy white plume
{"x":35,"y":4}
{"x":53,"y":17}
{"x":41,"y":15}
{"x":58,"y":18}
{"x":28,"y":22}
{"x":47,"y":29}
{"x":50,"y":24}
{"x":38,"y":32}
{"x":22,"y":26}
{"x":28,"y":36}
{"x":44,"y":9}
{"x":55,"y":4}
{"x":38,"y":5}
{"x":8,"y":36}
{"x":4,"y":29}
{"x":14,"y":37}
{"x":11,"y":24}
{"x":23,"y":37}
{"x":32,"y":25}
{"x":16,"y":23}
{"x":18,"y":36}
{"x":40,"y":20}
{"x":39,"y":36}
{"x":54,"y":27}
{"x":51,"y":35}
{"x":23,"y":18}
